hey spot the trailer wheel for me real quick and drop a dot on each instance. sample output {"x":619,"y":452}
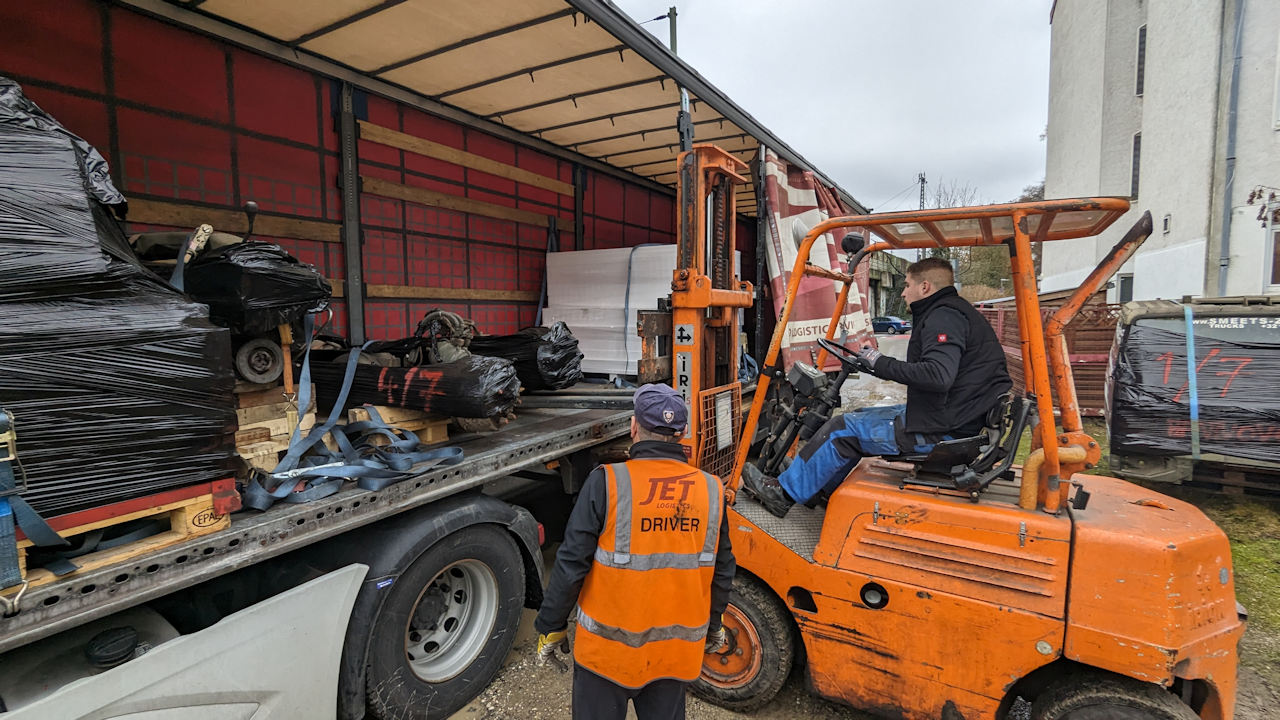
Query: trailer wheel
{"x":260,"y":360}
{"x":1098,"y":696}
{"x":448,"y":623}
{"x":750,"y":670}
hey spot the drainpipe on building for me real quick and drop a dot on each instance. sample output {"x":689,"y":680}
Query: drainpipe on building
{"x":1233,"y":99}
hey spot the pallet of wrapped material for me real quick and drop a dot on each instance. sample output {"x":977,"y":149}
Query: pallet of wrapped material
{"x":594,"y":278}
{"x":587,"y":290}
{"x":608,"y":345}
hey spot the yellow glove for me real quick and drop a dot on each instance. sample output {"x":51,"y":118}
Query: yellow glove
{"x":716,"y":639}
{"x":551,"y":645}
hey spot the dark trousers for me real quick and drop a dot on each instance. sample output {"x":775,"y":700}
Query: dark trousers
{"x":596,"y":698}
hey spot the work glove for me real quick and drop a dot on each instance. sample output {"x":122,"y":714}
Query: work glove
{"x":869,"y":356}
{"x":550,"y":648}
{"x":716,"y":638}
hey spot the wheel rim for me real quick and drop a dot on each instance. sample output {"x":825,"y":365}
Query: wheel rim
{"x":261,"y":360}
{"x":739,"y":661}
{"x":451,"y":621}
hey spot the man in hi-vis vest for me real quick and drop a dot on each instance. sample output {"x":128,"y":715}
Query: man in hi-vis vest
{"x":646,"y":556}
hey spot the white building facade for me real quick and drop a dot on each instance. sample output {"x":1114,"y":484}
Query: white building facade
{"x":1141,"y":106}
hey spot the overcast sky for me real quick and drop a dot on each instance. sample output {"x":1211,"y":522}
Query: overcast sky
{"x":873,"y":92}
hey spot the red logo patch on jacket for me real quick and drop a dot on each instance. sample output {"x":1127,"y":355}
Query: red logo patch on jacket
{"x":942,"y":337}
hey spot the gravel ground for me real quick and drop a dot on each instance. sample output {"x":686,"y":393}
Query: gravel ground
{"x":525,"y":691}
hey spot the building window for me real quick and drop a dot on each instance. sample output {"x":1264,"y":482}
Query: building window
{"x":1126,"y":288}
{"x":1275,"y":260}
{"x":1142,"y":60}
{"x":1137,"y":165}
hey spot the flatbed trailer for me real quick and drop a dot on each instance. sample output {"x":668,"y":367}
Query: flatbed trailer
{"x":538,"y":437}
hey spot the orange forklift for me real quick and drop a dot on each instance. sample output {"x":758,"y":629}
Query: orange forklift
{"x":947,"y":585}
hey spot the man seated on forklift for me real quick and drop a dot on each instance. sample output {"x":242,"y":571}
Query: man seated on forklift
{"x":954,"y":373}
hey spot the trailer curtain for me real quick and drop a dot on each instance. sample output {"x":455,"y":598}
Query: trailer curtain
{"x":797,"y":201}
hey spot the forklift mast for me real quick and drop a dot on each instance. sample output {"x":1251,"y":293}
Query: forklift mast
{"x":705,"y":301}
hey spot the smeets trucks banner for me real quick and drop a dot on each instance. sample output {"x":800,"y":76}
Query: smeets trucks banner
{"x":798,"y":201}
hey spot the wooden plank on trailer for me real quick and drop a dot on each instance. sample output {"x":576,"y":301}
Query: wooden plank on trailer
{"x":377,"y":186}
{"x":413,"y":292}
{"x":161,"y":212}
{"x":404,"y":141}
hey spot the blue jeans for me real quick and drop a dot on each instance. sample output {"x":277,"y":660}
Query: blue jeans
{"x":837,"y":447}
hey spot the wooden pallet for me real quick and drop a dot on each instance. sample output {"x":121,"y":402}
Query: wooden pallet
{"x":190,"y":512}
{"x":429,"y":428}
{"x":267,"y":418}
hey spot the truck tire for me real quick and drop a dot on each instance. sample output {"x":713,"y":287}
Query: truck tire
{"x":750,"y":671}
{"x":446,"y":626}
{"x":1095,"y":696}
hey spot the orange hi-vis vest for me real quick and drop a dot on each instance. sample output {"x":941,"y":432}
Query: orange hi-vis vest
{"x":645,"y":604}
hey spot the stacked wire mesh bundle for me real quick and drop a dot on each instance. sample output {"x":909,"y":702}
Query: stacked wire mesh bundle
{"x":470,"y":387}
{"x":120,"y":387}
{"x":545,"y":358}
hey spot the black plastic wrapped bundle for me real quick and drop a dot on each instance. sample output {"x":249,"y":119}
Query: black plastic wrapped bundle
{"x":253,"y":287}
{"x":472,"y":387}
{"x":49,"y":182}
{"x":545,"y":358}
{"x":120,"y":387}
{"x":115,"y":395}
{"x":1238,"y":370}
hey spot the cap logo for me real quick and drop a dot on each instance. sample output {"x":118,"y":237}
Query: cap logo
{"x":942,"y":337}
{"x":668,"y":415}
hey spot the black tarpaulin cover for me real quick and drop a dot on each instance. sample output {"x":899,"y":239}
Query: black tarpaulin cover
{"x":470,"y":387}
{"x":120,"y":387}
{"x":252,"y":287}
{"x":545,"y":358}
{"x":1237,"y":373}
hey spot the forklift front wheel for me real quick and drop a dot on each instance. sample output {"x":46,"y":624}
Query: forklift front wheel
{"x":750,"y":670}
{"x":1098,"y":695}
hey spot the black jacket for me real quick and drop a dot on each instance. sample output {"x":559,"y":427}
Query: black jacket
{"x":955,"y":369}
{"x":576,"y":553}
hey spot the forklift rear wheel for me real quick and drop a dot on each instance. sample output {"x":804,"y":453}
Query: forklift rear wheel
{"x":1097,"y":696}
{"x":260,"y":360}
{"x":448,"y":622}
{"x":750,"y":670}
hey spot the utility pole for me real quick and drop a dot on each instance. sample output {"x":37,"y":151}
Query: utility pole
{"x":923,"y":182}
{"x":684,"y":120}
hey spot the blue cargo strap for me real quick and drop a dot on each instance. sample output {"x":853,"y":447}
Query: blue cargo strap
{"x":1191,"y":382}
{"x":321,"y":471}
{"x":16,"y":513}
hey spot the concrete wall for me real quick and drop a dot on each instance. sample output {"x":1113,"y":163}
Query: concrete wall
{"x":1257,"y":148}
{"x":1073,"y":138}
{"x":1094,"y":112}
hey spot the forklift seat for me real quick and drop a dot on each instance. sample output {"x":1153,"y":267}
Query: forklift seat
{"x":972,"y":463}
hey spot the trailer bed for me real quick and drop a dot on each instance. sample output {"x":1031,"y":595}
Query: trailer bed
{"x":535,"y":437}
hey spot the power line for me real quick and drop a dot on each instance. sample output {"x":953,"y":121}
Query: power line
{"x":895,"y":195}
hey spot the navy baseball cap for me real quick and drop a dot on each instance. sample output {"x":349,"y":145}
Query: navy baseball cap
{"x":660,"y":409}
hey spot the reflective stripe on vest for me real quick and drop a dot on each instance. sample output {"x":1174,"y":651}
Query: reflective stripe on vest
{"x":637,"y":639}
{"x":621,"y":556}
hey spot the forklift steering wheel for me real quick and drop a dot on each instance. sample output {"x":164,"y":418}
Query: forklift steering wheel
{"x":847,"y":357}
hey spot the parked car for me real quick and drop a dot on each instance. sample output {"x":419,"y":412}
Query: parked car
{"x":890,"y":324}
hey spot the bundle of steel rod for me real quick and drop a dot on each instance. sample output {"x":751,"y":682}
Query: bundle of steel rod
{"x":472,"y":387}
{"x":545,"y":358}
